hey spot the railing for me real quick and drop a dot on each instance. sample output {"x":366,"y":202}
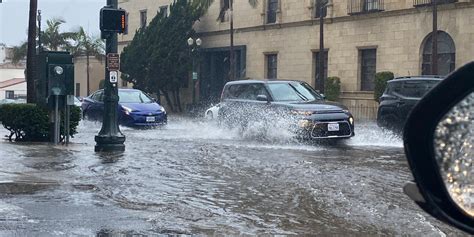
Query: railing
{"x":363,"y":112}
{"x":364,"y":6}
{"x":421,"y":3}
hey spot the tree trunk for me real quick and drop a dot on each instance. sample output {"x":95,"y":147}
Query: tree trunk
{"x":168,"y":100}
{"x":87,"y":73}
{"x":31,"y":54}
{"x":178,"y":99}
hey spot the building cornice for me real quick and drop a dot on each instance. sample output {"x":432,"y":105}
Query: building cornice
{"x":311,"y":22}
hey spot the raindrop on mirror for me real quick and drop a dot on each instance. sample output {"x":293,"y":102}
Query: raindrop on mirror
{"x":453,"y":144}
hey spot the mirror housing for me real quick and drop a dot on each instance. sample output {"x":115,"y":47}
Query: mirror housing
{"x":324,"y":96}
{"x":263,"y":98}
{"x":418,"y":138}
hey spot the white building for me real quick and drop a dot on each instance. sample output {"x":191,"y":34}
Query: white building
{"x":12,"y":83}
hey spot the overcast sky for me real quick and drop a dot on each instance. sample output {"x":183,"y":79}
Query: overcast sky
{"x":14,"y":17}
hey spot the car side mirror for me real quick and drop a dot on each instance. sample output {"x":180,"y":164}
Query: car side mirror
{"x":439,"y":145}
{"x":323,"y":96}
{"x":262,"y":98}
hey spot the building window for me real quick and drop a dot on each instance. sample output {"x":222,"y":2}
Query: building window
{"x":163,"y":11}
{"x":142,"y":19}
{"x":225,"y":6}
{"x":272,"y":11}
{"x":317,"y":10}
{"x":78,"y":89}
{"x":9,"y":94}
{"x":272,"y":66}
{"x":364,"y":6}
{"x":316,"y":67}
{"x":446,"y":54}
{"x":124,"y":83}
{"x":368,"y":62}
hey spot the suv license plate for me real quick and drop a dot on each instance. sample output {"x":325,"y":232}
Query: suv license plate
{"x":332,"y":127}
{"x":150,"y":119}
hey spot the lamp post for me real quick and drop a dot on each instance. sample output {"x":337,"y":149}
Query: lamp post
{"x":322,"y":5}
{"x":194,"y":49}
{"x":110,"y":138}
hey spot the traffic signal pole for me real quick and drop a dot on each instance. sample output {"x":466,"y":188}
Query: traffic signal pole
{"x":110,"y":138}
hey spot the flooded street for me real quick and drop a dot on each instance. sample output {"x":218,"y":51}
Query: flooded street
{"x":195,"y":178}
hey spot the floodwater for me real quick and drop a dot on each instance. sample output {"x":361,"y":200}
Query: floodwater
{"x":192,"y":177}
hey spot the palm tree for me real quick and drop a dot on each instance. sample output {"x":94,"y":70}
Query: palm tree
{"x":19,"y":52}
{"x":86,"y":45}
{"x":52,"y":39}
{"x":205,"y":4}
{"x":30,"y":60}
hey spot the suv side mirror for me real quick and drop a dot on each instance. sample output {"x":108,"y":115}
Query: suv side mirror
{"x":262,"y":98}
{"x":438,"y":139}
{"x":324,"y":96}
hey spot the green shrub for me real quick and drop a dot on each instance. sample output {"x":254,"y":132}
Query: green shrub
{"x":332,"y":88}
{"x":381,"y":79}
{"x":29,"y":122}
{"x":101,"y":84}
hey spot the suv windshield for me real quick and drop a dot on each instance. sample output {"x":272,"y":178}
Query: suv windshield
{"x":293,"y":91}
{"x":133,"y":97}
{"x":414,"y":89}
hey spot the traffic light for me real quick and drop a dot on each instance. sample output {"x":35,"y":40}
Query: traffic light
{"x":113,"y":20}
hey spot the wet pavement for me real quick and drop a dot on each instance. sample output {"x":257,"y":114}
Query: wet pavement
{"x":194,"y":178}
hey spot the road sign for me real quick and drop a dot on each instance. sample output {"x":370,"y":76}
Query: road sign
{"x":113,"y":61}
{"x":113,"y":77}
{"x":195,"y":75}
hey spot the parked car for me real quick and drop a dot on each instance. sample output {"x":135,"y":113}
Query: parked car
{"x":212,"y":112}
{"x":399,"y":98}
{"x":295,"y":103}
{"x":135,"y":108}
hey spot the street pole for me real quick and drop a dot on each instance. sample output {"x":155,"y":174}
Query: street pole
{"x":434,"y":37}
{"x":31,"y":54}
{"x":232,"y":58}
{"x":321,"y":47}
{"x":110,"y":138}
{"x":40,"y":46}
{"x":193,"y":75}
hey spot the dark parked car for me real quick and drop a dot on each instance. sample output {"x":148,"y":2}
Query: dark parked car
{"x":399,"y":98}
{"x":135,"y":108}
{"x":295,"y":103}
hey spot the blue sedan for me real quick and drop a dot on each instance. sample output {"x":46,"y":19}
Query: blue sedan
{"x":135,"y":108}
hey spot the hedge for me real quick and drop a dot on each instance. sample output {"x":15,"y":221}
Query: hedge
{"x":29,"y":122}
{"x":332,"y":88}
{"x":381,"y":79}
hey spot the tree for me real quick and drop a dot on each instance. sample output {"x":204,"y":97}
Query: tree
{"x":54,"y":40}
{"x":30,"y":60}
{"x":86,"y":45}
{"x":158,"y":59}
{"x":18,"y":53}
{"x":204,"y":4}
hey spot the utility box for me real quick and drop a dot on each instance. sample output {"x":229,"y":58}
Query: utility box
{"x":56,"y":76}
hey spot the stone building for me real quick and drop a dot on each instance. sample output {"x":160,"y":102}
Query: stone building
{"x":280,"y":39}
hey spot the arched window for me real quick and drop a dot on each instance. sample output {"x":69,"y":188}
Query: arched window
{"x":446,"y":54}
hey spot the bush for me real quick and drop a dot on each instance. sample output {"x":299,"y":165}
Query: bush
{"x":381,"y":79}
{"x":29,"y":122}
{"x":101,"y":84}
{"x":332,"y":88}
